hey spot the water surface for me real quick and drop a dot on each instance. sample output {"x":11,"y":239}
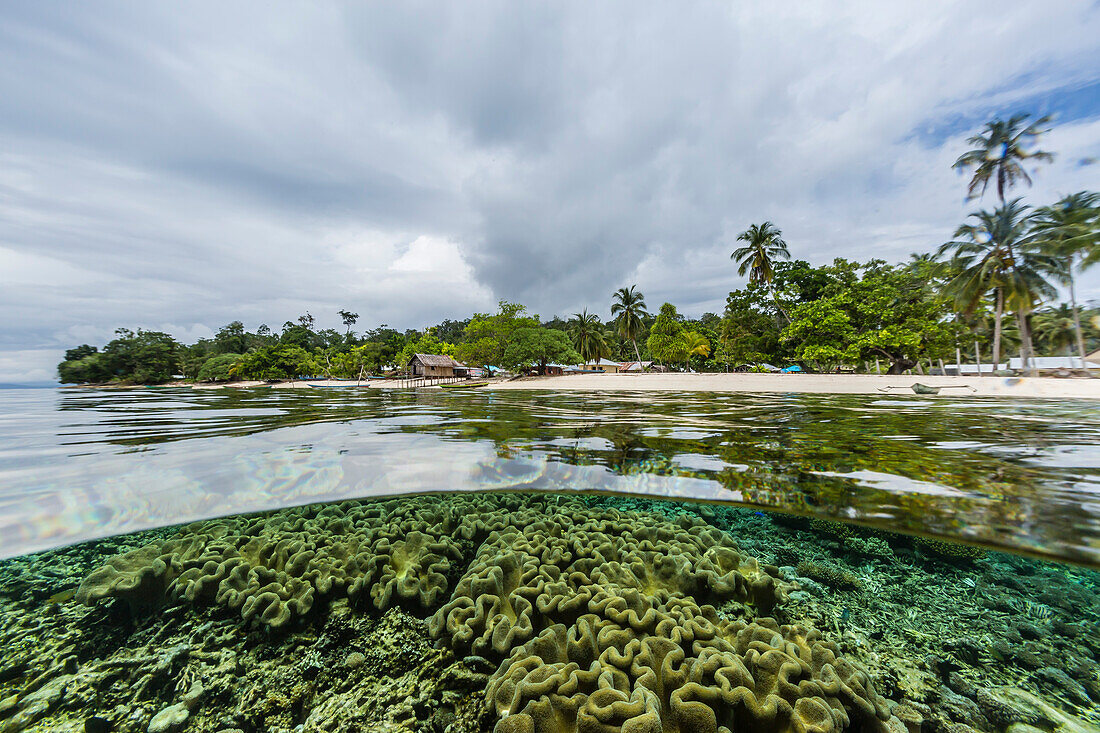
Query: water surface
{"x":1015,"y":474}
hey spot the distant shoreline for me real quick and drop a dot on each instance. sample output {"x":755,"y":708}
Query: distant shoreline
{"x":730,"y":382}
{"x":1037,"y":387}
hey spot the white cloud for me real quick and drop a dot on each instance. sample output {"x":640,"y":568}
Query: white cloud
{"x":29,"y":365}
{"x":418,"y":163}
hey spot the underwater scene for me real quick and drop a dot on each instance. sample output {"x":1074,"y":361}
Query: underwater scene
{"x":280,"y":560}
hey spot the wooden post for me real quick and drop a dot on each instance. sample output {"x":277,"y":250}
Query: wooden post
{"x":978,"y":358}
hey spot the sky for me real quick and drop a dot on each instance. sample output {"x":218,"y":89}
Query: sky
{"x":176,"y":168}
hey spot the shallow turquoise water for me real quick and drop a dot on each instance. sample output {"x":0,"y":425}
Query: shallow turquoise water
{"x":1014,"y":474}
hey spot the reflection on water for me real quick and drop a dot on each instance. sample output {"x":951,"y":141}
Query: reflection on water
{"x":1017,"y":474}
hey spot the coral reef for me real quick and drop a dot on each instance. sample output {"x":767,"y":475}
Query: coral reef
{"x":830,"y":575}
{"x":461,"y":613}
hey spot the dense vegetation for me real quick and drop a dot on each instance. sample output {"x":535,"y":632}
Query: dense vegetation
{"x":989,"y":292}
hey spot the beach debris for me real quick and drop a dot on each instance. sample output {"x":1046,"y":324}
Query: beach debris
{"x":924,"y":389}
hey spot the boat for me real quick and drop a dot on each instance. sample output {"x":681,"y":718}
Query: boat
{"x":338,"y":386}
{"x":463,"y":385}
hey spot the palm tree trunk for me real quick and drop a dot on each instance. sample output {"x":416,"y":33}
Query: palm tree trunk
{"x":998,"y":315}
{"x":637,"y":354}
{"x":1076,"y":316}
{"x":1026,"y":350}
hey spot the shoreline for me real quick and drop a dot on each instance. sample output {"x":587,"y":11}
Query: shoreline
{"x":875,"y":384}
{"x":726,"y":382}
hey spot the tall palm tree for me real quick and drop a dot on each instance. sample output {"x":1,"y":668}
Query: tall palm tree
{"x":997,"y":253}
{"x":763,"y":244}
{"x":999,"y":151}
{"x":587,"y":333}
{"x":628,"y":310}
{"x":1070,"y":231}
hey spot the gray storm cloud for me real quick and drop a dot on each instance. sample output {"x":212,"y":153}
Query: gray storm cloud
{"x":412,"y":162}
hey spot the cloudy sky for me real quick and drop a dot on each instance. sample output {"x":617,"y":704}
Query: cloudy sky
{"x":176,"y":167}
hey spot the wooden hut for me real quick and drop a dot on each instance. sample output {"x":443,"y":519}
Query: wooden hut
{"x":436,"y":365}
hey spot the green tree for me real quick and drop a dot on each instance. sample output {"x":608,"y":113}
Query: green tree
{"x":80,"y":352}
{"x":696,"y":344}
{"x":586,"y":331}
{"x":231,"y":339}
{"x":531,"y":346}
{"x":299,"y":334}
{"x":628,"y":309}
{"x":1070,"y":231}
{"x":746,"y":333}
{"x":872,"y":311}
{"x":487,"y":336}
{"x":997,"y":254}
{"x":1056,"y":329}
{"x":349,"y":319}
{"x":763,"y":245}
{"x":89,"y":369}
{"x":667,"y":339}
{"x":145,"y":357}
{"x":999,"y":152}
{"x":218,"y":368}
{"x":279,"y":361}
{"x":426,"y":344}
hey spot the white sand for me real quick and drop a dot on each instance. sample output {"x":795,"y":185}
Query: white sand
{"x":1045,"y":387}
{"x":1041,"y":387}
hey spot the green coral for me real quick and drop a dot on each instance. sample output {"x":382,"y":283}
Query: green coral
{"x":830,"y":575}
{"x":949,"y":550}
{"x":598,"y":618}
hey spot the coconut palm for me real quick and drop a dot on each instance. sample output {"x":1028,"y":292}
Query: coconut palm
{"x":763,"y":244}
{"x":1070,"y":231}
{"x":999,"y":152}
{"x":696,"y":344}
{"x":1055,"y":328}
{"x":587,"y":333}
{"x":628,"y":310}
{"x":998,"y":254}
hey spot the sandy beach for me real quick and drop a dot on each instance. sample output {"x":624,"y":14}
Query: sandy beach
{"x":1042,"y":387}
{"x":1039,"y":387}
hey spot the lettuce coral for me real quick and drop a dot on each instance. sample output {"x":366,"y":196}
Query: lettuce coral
{"x":599,"y":619}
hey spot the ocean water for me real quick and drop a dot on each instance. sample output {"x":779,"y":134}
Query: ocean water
{"x":348,"y":560}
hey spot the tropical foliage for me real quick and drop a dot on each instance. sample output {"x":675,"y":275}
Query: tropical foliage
{"x":999,"y":153}
{"x":628,"y":311}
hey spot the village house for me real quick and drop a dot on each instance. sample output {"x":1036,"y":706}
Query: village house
{"x":635,"y":366}
{"x":436,"y":365}
{"x":602,"y":365}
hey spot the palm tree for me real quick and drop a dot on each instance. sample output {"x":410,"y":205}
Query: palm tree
{"x":999,"y":151}
{"x":587,"y":333}
{"x":763,"y":244}
{"x":696,"y":345}
{"x":1055,"y":329}
{"x":1070,"y":231}
{"x":998,"y":253}
{"x":628,"y":310}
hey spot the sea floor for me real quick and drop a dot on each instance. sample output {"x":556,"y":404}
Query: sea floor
{"x":520,"y":612}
